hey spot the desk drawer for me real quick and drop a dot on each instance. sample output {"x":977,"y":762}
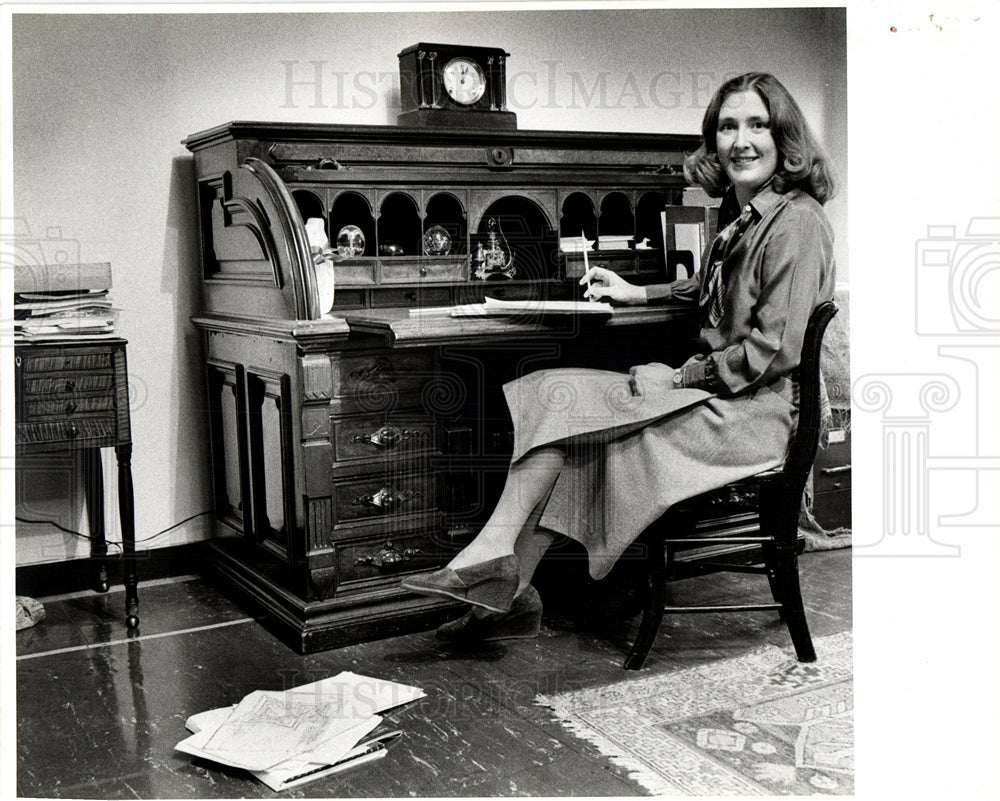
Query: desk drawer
{"x":381,"y":438}
{"x":376,"y":381}
{"x":382,"y":496}
{"x":380,"y":559}
{"x":87,"y":431}
{"x":415,"y":272}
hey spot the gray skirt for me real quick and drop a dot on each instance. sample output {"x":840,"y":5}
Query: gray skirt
{"x":628,"y":458}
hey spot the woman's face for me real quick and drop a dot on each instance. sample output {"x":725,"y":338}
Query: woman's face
{"x":744,"y":143}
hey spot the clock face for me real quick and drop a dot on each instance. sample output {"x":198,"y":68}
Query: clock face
{"x":464,"y":80}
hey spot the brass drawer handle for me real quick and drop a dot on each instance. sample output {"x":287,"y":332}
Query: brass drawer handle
{"x":70,"y":386}
{"x":389,"y":436}
{"x":389,"y":557}
{"x":70,"y":407}
{"x":387,"y":498}
{"x":73,"y":431}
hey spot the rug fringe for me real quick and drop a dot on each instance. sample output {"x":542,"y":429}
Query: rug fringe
{"x":636,"y":770}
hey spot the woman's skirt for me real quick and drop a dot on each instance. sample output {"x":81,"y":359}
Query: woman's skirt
{"x":629,"y":458}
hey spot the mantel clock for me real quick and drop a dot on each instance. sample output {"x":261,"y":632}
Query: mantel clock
{"x":455,"y":86}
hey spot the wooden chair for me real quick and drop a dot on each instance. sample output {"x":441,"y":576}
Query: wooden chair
{"x":768,"y":505}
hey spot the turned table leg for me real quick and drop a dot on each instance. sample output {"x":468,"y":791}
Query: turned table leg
{"x":126,"y":511}
{"x":93,"y":477}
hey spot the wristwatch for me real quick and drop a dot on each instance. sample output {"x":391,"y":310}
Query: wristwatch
{"x":678,"y":379}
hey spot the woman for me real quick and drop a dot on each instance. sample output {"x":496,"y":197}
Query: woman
{"x":598,"y":456}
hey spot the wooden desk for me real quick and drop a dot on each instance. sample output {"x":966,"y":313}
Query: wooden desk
{"x":73,"y":396}
{"x":354,"y":446}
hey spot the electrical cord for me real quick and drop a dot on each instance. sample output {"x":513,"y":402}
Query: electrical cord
{"x":113,"y":543}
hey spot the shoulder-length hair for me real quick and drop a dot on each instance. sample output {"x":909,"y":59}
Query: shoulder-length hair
{"x":801,"y":165}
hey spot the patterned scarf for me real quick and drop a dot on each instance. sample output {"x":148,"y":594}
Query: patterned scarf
{"x":713,"y":289}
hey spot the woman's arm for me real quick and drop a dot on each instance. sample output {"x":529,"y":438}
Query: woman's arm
{"x":604,"y":284}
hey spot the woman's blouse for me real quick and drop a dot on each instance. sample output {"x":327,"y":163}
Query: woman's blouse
{"x":781,"y":269}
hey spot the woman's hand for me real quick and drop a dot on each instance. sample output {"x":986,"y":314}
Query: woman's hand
{"x":607,"y":285}
{"x":651,"y":379}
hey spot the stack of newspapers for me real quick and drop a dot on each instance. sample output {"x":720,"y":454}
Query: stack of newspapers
{"x":53,"y":302}
{"x":286,"y":738}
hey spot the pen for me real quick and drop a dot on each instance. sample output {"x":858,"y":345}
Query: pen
{"x":369,"y":749}
{"x":586,"y":264}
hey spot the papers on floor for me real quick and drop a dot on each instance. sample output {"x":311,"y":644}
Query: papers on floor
{"x":492,"y":307}
{"x":288,"y":737}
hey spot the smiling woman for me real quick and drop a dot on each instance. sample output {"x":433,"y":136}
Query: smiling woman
{"x":633,"y":445}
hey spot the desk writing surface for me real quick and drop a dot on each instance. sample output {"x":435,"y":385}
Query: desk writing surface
{"x":402,"y":329}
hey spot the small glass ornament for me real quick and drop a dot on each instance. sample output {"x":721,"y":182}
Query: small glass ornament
{"x":350,"y":241}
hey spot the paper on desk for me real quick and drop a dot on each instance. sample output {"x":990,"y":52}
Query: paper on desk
{"x":269,"y":727}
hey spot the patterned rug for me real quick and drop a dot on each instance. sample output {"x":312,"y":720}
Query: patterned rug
{"x":759,"y":724}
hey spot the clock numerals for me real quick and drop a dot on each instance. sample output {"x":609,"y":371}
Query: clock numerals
{"x":464,"y":80}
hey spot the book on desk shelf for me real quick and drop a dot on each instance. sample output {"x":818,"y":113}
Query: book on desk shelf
{"x":53,"y":302}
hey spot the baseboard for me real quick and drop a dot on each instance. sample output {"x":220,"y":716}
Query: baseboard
{"x":74,"y":575}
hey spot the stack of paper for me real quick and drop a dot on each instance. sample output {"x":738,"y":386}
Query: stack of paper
{"x":286,"y":738}
{"x":492,"y":307}
{"x":63,"y":301}
{"x":614,"y":241}
{"x":84,"y":315}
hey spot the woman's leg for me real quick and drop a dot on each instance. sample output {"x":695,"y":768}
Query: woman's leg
{"x":513,"y":522}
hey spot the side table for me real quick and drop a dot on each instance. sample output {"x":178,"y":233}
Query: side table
{"x":73,"y":396}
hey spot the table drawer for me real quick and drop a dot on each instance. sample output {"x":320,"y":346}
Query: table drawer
{"x":380,"y":438}
{"x":66,"y":408}
{"x":382,"y":496}
{"x":380,"y":558}
{"x":61,"y":362}
{"x":86,"y":431}
{"x":68,"y":385}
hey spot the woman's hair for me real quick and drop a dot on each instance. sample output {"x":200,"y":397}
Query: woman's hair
{"x":801,"y":163}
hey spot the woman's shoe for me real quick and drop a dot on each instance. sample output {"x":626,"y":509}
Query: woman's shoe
{"x":522,"y":622}
{"x":489,"y":584}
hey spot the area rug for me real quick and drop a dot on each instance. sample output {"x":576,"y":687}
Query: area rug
{"x":758,"y":724}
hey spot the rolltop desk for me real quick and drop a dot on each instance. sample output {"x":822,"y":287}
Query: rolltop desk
{"x":355,"y":446}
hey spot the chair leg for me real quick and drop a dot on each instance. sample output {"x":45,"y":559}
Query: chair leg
{"x":771,"y":564}
{"x":652,"y":613}
{"x":786,"y":568}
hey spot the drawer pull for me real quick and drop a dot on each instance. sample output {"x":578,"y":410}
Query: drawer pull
{"x":386,"y":498}
{"x":73,"y":431}
{"x":388,"y":558}
{"x":70,"y":386}
{"x":70,"y":407}
{"x":833,"y":471}
{"x":389,"y":436}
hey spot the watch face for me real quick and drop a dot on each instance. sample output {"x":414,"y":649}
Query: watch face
{"x":464,"y":80}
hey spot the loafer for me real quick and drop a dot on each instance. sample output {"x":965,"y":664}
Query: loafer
{"x":489,"y":584}
{"x":521,"y":622}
